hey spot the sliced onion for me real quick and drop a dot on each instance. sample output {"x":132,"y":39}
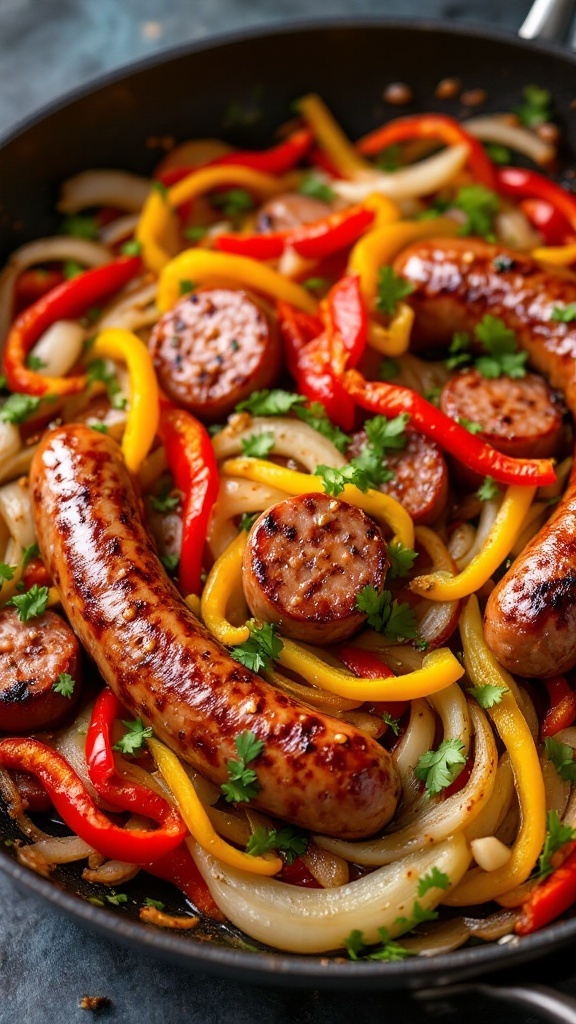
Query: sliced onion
{"x":293,"y":439}
{"x":119,"y":189}
{"x":236,"y":497}
{"x":450,"y":704}
{"x":60,"y":347}
{"x":513,"y":228}
{"x":62,"y":849}
{"x":419,"y":179}
{"x":493,"y":927}
{"x":231,"y":826}
{"x":490,"y":853}
{"x":17,"y":464}
{"x":328,"y":869}
{"x":134,"y":309}
{"x":16,"y":510}
{"x":112,"y":872}
{"x":71,"y":743}
{"x":488,"y":515}
{"x":119,"y":229}
{"x":497,"y":128}
{"x":417,"y":739}
{"x":557,"y":790}
{"x":438,"y":937}
{"x":318,"y":920}
{"x":330,"y":703}
{"x":494,"y":811}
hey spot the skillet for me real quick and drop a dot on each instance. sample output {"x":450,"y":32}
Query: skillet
{"x":184,"y":94}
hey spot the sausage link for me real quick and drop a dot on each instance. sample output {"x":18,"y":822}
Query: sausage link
{"x":164,"y":665}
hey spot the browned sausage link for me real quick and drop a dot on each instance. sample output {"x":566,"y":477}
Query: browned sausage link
{"x":165,"y":666}
{"x":530,"y":619}
{"x":213,"y":349}
{"x":306,"y":561}
{"x":420,"y":481}
{"x":33,"y":655}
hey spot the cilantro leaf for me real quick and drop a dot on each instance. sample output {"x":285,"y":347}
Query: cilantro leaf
{"x":488,"y":695}
{"x":316,"y":284}
{"x":401,"y":559}
{"x":389,"y":369}
{"x":391,"y":289}
{"x":133,"y":738}
{"x":470,"y":425}
{"x":100,"y":428}
{"x":562,"y":757}
{"x":156,"y":904}
{"x":420,"y":914}
{"x":289,"y":840}
{"x":258,"y":445}
{"x":385,"y":615}
{"x":30,"y":604}
{"x":315,"y":416}
{"x":65,"y":685}
{"x":392,"y":723}
{"x":34,"y":362}
{"x":233,"y":201}
{"x":262,"y":647}
{"x":170,"y":562}
{"x":536,"y":108}
{"x":387,"y":434}
{"x":100,"y":371}
{"x":564,"y":314}
{"x":131,"y":248}
{"x":18,"y":407}
{"x":435,"y":880}
{"x":81,"y":226}
{"x":488,"y":489}
{"x":557,"y":835}
{"x":270,"y":403}
{"x":32,"y":551}
{"x":196,"y":232}
{"x":459,"y":354}
{"x":437,"y":769}
{"x":185,"y":286}
{"x":7,"y":571}
{"x":116,"y":898}
{"x":498,"y":153}
{"x":389,"y":950}
{"x":243,"y":784}
{"x":313,"y":186}
{"x":167,"y":499}
{"x":247,"y":520}
{"x":72,"y":268}
{"x":390,"y":159}
{"x":501,"y":344}
{"x":335,"y":480}
{"x":480,"y":205}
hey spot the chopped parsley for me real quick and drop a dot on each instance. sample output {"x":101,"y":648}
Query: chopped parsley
{"x":117,"y":898}
{"x":419,"y":915}
{"x":156,"y":904}
{"x":562,"y":757}
{"x":470,"y":425}
{"x":564,"y":314}
{"x":243,"y":783}
{"x":195,"y":233}
{"x":72,"y":268}
{"x":261,"y":647}
{"x":435,"y":880}
{"x":160,"y":188}
{"x":185,"y":286}
{"x":488,"y":489}
{"x":65,"y":685}
{"x":480,"y":205}
{"x":315,"y":416}
{"x":335,"y":480}
{"x":167,"y":500}
{"x":247,"y":520}
{"x":387,"y":950}
{"x":488,"y":695}
{"x":314,"y":187}
{"x":170,"y":562}
{"x":258,"y":446}
{"x":100,"y":428}
{"x":7,"y":571}
{"x":501,"y":357}
{"x":536,"y":108}
{"x":389,"y":369}
{"x":34,"y":362}
{"x":131,"y":248}
{"x":498,"y":153}
{"x":270,"y":403}
{"x":459,"y":354}
{"x":18,"y":407}
{"x":391,"y":289}
{"x":32,"y":551}
{"x":389,"y":159}
{"x":437,"y":769}
{"x":81,"y":226}
{"x":30,"y":604}
{"x":382,"y":436}
{"x":401,"y":559}
{"x":133,"y":739}
{"x":290,"y":841}
{"x":557,"y":835}
{"x":233,"y":202}
{"x":316,"y":284}
{"x":385,"y":615}
{"x":392,"y":723}
{"x":100,"y":371}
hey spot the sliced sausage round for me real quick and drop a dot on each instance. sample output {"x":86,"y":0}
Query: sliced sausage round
{"x":420,"y":482}
{"x":213,"y":349}
{"x":288,"y":210}
{"x":33,"y":655}
{"x":522,"y":417}
{"x":306,"y":561}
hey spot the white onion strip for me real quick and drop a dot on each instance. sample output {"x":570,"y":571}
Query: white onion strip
{"x":16,"y":509}
{"x":417,"y":739}
{"x":318,"y":920}
{"x":59,"y":348}
{"x":119,"y":189}
{"x":497,"y":128}
{"x":419,"y":179}
{"x":293,"y":439}
{"x":236,"y":497}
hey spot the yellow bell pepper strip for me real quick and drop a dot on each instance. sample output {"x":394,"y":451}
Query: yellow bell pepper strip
{"x":340,"y":150}
{"x":480,"y":886}
{"x":439,"y":670}
{"x":143,"y":415}
{"x":159,"y":207}
{"x":201,"y":265}
{"x":375,"y":503}
{"x":197,"y":820}
{"x":441,"y":586}
{"x":392,"y":340}
{"x":393,"y":399}
{"x":559,"y":255}
{"x":223,"y":579}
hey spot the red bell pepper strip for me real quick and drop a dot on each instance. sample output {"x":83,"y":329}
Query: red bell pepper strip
{"x":316,"y":380}
{"x":297,"y":874}
{"x":34,"y":283}
{"x":367,"y":665}
{"x":313,"y":241}
{"x":320,"y":159}
{"x":551,"y":224}
{"x":520,"y":183}
{"x":76,"y":807}
{"x":66,"y":301}
{"x":562,"y":711}
{"x":431,"y":126}
{"x":193,"y":465}
{"x":278,"y":160}
{"x":296,"y":328}
{"x":346,"y":320}
{"x":549,"y":899}
{"x":392,"y":399}
{"x":178,"y":868}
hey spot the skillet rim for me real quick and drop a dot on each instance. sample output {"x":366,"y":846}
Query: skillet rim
{"x":278,"y":967}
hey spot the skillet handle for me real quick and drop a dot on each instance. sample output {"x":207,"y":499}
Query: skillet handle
{"x":547,"y":19}
{"x":550,"y":1005}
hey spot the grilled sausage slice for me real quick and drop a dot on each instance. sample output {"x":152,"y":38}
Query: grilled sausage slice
{"x":213,"y":349}
{"x":530,"y":618}
{"x":306,"y":561}
{"x":33,"y":655}
{"x":420,"y":482}
{"x":165,"y":666}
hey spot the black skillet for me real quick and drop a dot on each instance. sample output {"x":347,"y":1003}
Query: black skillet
{"x":241,"y":89}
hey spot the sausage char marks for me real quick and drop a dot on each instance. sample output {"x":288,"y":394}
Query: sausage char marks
{"x":306,"y":561}
{"x":213,"y":349}
{"x":167,"y":668}
{"x":530,"y":617}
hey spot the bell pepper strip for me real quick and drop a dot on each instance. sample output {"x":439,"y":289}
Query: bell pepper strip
{"x":277,"y":160}
{"x":375,"y":503}
{"x":364,"y":663}
{"x":439,"y":670}
{"x":76,"y":807}
{"x":430,"y":126}
{"x":393,"y":399}
{"x":64,"y":302}
{"x":519,"y":183}
{"x":551,"y":224}
{"x":479,"y":886}
{"x":197,"y":820}
{"x":346,"y":322}
{"x":392,"y":340}
{"x":296,"y":330}
{"x":178,"y":868}
{"x":562,"y":711}
{"x":328,"y":134}
{"x":560,"y":256}
{"x":442,"y":586}
{"x":33,"y":283}
{"x":297,"y":873}
{"x":159,"y":209}
{"x":201,"y":265}
{"x":549,"y":899}
{"x":143,"y":414}
{"x":224,"y":578}
{"x":317,"y":381}
{"x":193,"y":466}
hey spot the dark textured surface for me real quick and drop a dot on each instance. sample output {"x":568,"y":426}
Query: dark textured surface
{"x":47,"y":963}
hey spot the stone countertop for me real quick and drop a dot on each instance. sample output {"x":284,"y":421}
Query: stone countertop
{"x":47,"y":962}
